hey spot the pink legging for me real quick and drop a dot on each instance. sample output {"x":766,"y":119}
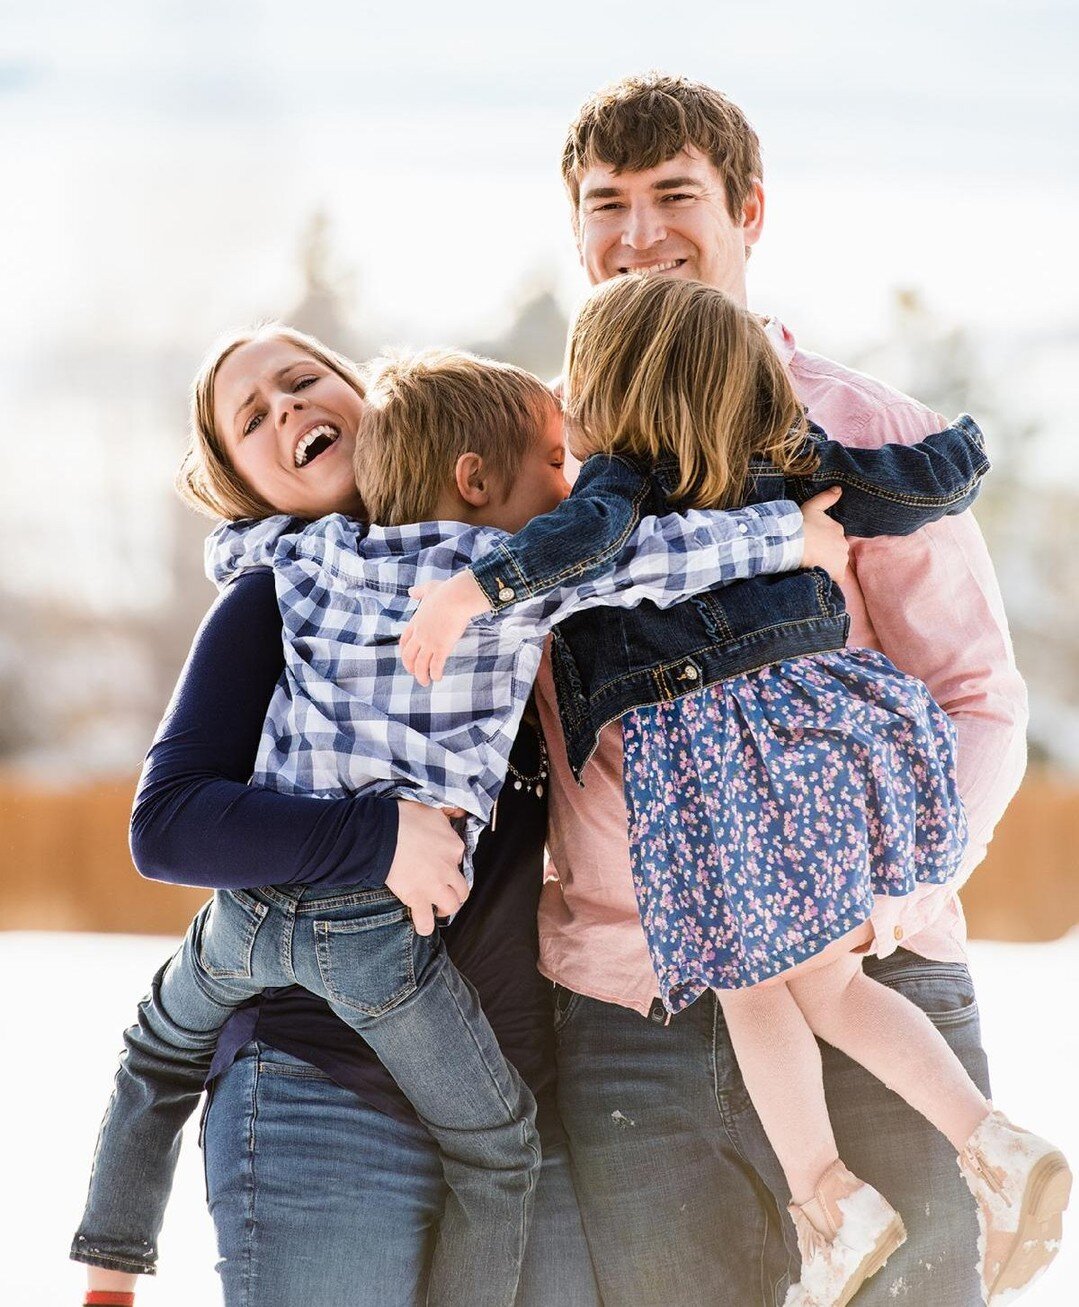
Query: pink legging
{"x":773,"y":1028}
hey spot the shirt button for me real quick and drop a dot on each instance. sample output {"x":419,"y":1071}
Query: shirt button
{"x":506,"y":594}
{"x":742,"y":528}
{"x":898,"y":932}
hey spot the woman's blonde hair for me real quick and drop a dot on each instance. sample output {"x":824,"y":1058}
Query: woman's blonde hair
{"x":659,"y":367}
{"x":424,"y":410}
{"x":206,"y":479}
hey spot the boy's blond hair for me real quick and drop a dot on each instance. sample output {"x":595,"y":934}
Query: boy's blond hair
{"x":657,"y":366}
{"x":638,"y":123}
{"x":424,"y":410}
{"x":206,"y":479}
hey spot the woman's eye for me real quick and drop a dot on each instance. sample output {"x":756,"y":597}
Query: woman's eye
{"x":252,"y":423}
{"x":304,"y":382}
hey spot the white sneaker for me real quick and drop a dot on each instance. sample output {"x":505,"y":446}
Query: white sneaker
{"x":1021,"y":1184}
{"x":863,"y":1232}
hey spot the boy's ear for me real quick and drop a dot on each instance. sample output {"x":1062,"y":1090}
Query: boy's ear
{"x":473,"y":483}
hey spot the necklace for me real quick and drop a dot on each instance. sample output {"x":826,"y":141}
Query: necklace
{"x":530,"y":783}
{"x":523,"y":782}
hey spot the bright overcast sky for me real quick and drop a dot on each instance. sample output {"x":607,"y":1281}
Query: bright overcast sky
{"x":161,"y":159}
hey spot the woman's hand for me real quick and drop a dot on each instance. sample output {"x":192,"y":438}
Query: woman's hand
{"x":445,"y":610}
{"x":825,"y":543}
{"x":426,"y":870}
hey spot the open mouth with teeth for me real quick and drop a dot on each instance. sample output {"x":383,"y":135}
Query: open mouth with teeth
{"x":650,"y":269}
{"x":315,"y":442}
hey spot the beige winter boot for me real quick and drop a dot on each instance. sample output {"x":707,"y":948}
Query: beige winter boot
{"x":862,"y":1233}
{"x":1021,"y":1184}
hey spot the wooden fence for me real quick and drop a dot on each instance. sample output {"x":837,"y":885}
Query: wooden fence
{"x":64,"y":865}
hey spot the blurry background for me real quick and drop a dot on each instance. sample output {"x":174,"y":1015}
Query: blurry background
{"x":174,"y":170}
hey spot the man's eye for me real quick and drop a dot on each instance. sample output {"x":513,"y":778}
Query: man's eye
{"x":680,"y":195}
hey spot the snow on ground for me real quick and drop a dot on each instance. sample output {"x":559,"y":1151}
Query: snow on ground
{"x":85,"y":986}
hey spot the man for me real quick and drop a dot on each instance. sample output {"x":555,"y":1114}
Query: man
{"x":682,"y":1197}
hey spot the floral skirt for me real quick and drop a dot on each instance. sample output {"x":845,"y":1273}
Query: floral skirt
{"x":767,"y":811}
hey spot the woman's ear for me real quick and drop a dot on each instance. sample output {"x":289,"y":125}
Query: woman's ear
{"x":473,"y":483}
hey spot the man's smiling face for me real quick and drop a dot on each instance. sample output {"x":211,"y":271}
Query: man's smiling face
{"x":671,"y":220}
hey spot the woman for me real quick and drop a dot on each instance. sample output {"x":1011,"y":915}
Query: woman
{"x":322,"y":1185}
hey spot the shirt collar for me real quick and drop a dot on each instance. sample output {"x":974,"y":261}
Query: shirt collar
{"x":781,"y":337}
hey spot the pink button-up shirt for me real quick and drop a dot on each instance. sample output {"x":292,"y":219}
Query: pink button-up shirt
{"x":929,"y":601}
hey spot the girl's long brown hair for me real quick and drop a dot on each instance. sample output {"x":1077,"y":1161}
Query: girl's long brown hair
{"x":659,"y":367}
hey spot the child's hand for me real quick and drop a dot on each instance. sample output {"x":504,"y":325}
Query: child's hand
{"x":425,"y":873}
{"x":445,"y":610}
{"x":825,"y":543}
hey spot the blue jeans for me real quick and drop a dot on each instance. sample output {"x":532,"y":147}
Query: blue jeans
{"x":401,"y":993}
{"x":683,"y":1199}
{"x":318,"y":1198}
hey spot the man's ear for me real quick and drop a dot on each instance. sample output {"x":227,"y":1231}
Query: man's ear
{"x":753,"y":214}
{"x":473,"y":483}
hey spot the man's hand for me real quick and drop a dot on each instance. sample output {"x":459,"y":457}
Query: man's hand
{"x":426,"y":870}
{"x":825,"y":544}
{"x":445,"y":610}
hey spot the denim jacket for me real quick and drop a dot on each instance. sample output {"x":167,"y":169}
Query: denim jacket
{"x":607,"y":662}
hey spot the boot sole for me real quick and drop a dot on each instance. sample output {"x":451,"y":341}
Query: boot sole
{"x":895,"y":1236}
{"x":1037,"y":1236}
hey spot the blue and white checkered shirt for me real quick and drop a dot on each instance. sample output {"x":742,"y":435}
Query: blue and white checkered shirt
{"x":346,"y":716}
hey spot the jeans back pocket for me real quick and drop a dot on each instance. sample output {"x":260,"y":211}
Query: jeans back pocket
{"x":368,"y":964}
{"x":228,"y":935}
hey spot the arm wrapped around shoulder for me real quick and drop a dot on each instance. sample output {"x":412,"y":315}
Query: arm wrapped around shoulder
{"x":897,"y":489}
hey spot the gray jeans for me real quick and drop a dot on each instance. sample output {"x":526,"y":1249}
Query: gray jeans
{"x":682,"y":1198}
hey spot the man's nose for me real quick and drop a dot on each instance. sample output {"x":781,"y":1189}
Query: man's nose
{"x":644,"y":227}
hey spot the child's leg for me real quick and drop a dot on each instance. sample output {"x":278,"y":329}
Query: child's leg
{"x":109,"y":1288}
{"x":167,"y":1054}
{"x":400,"y":991}
{"x":893,"y":1040}
{"x":780,"y":1063}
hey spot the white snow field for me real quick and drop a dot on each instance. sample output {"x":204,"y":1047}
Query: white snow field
{"x":68,"y":997}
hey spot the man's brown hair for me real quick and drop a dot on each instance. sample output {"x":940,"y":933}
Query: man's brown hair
{"x":659,"y":367}
{"x":640,"y":122}
{"x":424,"y":410}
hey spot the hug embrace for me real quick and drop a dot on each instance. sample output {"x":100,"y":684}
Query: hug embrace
{"x":750,"y":682}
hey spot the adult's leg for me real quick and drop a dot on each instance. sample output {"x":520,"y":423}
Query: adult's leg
{"x":891,"y":1146}
{"x":557,"y":1270}
{"x":673,"y":1207}
{"x":316,"y":1197}
{"x":167,"y":1054}
{"x":402,"y":994}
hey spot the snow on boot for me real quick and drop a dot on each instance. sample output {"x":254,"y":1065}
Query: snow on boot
{"x":846,"y":1232}
{"x":1021,"y":1184}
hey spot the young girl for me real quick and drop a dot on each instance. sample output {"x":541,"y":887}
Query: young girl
{"x":775,"y":781}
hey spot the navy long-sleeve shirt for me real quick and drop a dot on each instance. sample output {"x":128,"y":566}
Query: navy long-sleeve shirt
{"x":196,"y":821}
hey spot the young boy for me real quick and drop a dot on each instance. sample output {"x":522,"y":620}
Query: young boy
{"x":453,"y":452}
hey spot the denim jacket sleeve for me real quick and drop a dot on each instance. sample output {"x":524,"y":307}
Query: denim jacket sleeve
{"x":668,"y":558}
{"x":896,"y":489}
{"x":574,"y":542}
